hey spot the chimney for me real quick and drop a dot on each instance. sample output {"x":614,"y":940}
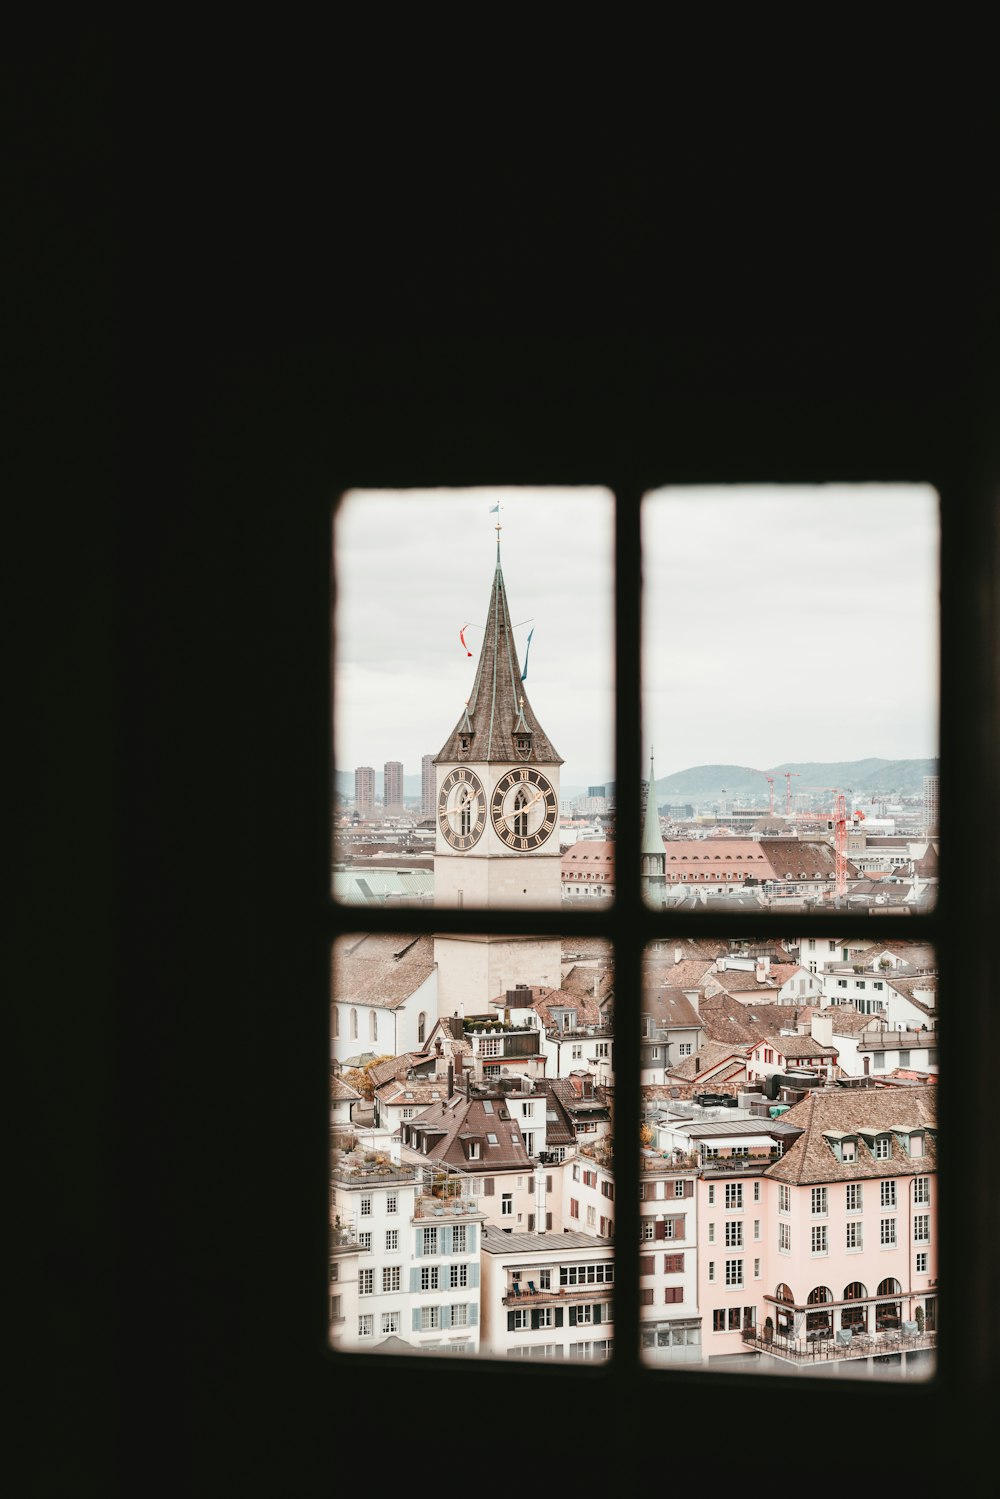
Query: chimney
{"x":763,"y":969}
{"x":697,"y":1064}
{"x":451,"y":1079}
{"x":822,"y":1029}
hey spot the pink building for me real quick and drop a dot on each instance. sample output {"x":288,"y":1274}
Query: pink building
{"x":826,"y":1259}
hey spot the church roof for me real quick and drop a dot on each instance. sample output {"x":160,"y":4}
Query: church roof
{"x":498,"y":702}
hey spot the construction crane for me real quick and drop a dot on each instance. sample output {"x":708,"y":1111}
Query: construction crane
{"x":788,"y":789}
{"x":770,"y":786}
{"x":837,"y":823}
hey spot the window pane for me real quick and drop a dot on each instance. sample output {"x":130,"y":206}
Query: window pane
{"x":790,"y":693}
{"x":473,"y":707}
{"x":789,"y":1159}
{"x":472,"y":1186}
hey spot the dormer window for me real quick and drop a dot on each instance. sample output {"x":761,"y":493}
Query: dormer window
{"x":474,"y":1151}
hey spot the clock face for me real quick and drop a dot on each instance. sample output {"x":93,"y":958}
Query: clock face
{"x":461,"y":808}
{"x":524,"y":808}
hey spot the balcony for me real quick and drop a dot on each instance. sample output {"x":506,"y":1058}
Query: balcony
{"x":560,"y":1295}
{"x":446,"y":1209}
{"x":741,"y":1165}
{"x":824,"y":1346}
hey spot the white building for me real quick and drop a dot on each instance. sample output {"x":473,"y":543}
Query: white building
{"x":547,"y":1296}
{"x":404,"y":1263}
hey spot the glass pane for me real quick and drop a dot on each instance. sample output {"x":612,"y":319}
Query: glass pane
{"x":453,"y":786}
{"x":789,"y":1157}
{"x":472,"y":1198}
{"x":790,"y":697}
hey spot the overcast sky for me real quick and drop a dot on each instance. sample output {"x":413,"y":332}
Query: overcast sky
{"x":780,"y":624}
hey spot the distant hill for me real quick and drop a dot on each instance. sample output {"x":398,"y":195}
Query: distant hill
{"x":701,"y":783}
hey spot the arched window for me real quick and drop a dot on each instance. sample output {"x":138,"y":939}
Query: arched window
{"x":783,"y":1295}
{"x":465,"y":813}
{"x":854,"y":1318}
{"x":336,"y":1021}
{"x":372,"y":1026}
{"x":819,"y":1321}
{"x":521,"y":819}
{"x":354,"y":1025}
{"x":422,"y":1025}
{"x":888,"y":1313}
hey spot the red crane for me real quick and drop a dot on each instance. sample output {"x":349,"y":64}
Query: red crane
{"x":838,"y":824}
{"x":770,"y":786}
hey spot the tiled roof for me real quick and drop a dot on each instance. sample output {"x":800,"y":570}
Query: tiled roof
{"x":689,"y":973}
{"x":341,"y":1092}
{"x":498,"y":700}
{"x":599,"y":856}
{"x":799,"y":1046}
{"x":423,"y":1090}
{"x":669,"y":1007}
{"x":745,"y":855}
{"x":392,"y":1067}
{"x":580,"y":980}
{"x":791,"y":857}
{"x":458,"y":1116}
{"x":848,"y":1110}
{"x":710,"y":1054}
{"x":380,"y":969}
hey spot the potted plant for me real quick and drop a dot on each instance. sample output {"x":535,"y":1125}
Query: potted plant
{"x":768,"y":1329}
{"x":918,"y":1317}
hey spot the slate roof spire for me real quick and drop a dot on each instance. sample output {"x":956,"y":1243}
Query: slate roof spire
{"x":497,"y":712}
{"x":652,"y":838}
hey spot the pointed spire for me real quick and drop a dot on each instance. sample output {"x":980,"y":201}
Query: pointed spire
{"x":498,"y":715}
{"x":652,"y":838}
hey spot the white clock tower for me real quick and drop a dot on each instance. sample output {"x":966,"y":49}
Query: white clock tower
{"x":497,"y":825}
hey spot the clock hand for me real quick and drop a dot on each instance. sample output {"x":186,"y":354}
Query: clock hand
{"x":519,"y":811}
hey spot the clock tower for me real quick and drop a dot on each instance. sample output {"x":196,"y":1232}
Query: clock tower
{"x":497,"y":840}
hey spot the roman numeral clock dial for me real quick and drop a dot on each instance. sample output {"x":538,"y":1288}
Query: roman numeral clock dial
{"x":461,"y":808}
{"x":524,"y":809}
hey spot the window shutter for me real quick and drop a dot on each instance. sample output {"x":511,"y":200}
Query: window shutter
{"x":647,"y":1264}
{"x":445,"y":1240}
{"x":474,"y":1274}
{"x":531,"y":1223}
{"x":689,"y":1187}
{"x":446,"y":1316}
{"x":531,"y":1183}
{"x":559,"y":1316}
{"x":473,"y":1311}
{"x":572,"y":1316}
{"x":534,"y":1320}
{"x":510,"y":1321}
{"x":416,"y":1319}
{"x":598,"y":1311}
{"x":472,"y":1238}
{"x":548,"y":1220}
{"x":415,"y":1279}
{"x":659,"y":1230}
{"x":418,"y":1241}
{"x":488,"y":1187}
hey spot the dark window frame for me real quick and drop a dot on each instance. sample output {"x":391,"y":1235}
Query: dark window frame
{"x":257,"y":782}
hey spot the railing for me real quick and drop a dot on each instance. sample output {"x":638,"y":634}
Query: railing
{"x":445,"y":1209}
{"x":561,"y":1295}
{"x":753,"y":1163}
{"x":824,"y":1345}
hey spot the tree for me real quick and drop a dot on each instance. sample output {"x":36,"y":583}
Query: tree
{"x":360,"y":1079}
